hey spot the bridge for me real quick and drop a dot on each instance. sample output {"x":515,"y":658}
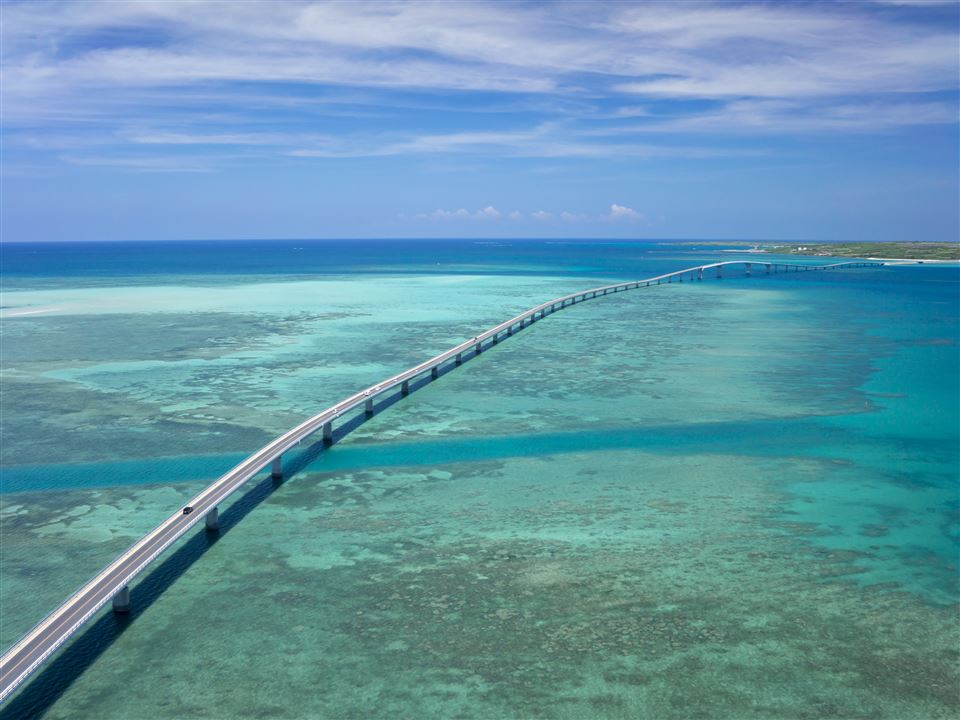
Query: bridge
{"x":112,"y":583}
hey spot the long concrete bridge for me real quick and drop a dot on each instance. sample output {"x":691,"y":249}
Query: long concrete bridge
{"x":112,"y":583}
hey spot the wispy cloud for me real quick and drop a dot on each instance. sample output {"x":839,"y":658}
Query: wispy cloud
{"x":141,"y":85}
{"x":780,"y":117}
{"x":151,"y":164}
{"x":616,"y":212}
{"x":487,"y":213}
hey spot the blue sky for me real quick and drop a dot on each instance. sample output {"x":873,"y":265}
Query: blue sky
{"x":175,"y":120}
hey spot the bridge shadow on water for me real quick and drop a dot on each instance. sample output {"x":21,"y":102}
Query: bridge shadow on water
{"x":49,"y":684}
{"x":52,"y":681}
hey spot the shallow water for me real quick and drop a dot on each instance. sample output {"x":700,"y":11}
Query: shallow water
{"x":731,"y":499}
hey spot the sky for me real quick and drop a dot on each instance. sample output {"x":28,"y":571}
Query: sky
{"x":715,"y":120}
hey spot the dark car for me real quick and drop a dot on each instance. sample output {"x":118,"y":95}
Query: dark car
{"x":188,"y":509}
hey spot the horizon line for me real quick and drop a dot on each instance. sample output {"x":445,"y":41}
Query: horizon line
{"x":474,"y":239}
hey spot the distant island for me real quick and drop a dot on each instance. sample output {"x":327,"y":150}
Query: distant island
{"x":920,"y":251}
{"x":879,"y":250}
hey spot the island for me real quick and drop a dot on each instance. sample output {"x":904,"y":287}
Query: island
{"x":942,"y":251}
{"x":904,"y":251}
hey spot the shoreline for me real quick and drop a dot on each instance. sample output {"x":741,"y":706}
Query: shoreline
{"x":902,"y":261}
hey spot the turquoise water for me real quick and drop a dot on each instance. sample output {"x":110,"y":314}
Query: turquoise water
{"x":731,"y":499}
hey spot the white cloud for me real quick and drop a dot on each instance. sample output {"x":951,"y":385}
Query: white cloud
{"x":487,"y":213}
{"x":841,"y":67}
{"x":459,"y":214}
{"x":777,"y":117}
{"x":621,"y":212}
{"x":686,"y":50}
{"x":617,"y":212}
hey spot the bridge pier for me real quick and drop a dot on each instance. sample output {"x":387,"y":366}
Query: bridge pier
{"x":276,"y":467}
{"x":510,"y":331}
{"x":766,"y":268}
{"x":368,"y":407}
{"x":212,"y":520}
{"x":719,"y":271}
{"x":477,"y":349}
{"x":748,"y":269}
{"x":405,"y":388}
{"x":327,"y":433}
{"x":700,"y":273}
{"x":434,"y":372}
{"x":494,"y":340}
{"x":459,"y":359}
{"x":121,"y":601}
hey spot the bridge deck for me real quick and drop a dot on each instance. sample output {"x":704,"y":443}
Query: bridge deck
{"x":38,"y":644}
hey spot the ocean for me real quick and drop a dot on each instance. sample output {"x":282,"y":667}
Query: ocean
{"x":728,"y":499}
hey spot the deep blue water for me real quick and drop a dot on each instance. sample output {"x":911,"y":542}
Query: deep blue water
{"x":299,"y":257}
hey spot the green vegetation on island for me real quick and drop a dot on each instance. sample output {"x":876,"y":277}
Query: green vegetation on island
{"x":886,"y":250}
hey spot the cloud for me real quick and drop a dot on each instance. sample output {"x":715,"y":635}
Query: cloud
{"x":258,"y":74}
{"x":487,"y":213}
{"x":621,"y":212}
{"x":544,"y":140}
{"x":60,"y":50}
{"x":779,"y":117}
{"x":151,"y":164}
{"x":617,"y":212}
